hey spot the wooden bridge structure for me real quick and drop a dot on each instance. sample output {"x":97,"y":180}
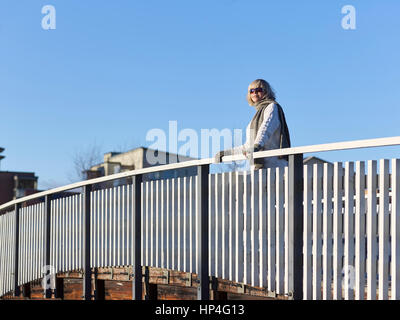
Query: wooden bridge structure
{"x":328,"y":231}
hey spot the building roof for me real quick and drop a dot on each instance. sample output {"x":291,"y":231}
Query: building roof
{"x":111,"y":154}
{"x":308,"y":159}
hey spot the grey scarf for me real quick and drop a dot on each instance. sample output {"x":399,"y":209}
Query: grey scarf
{"x":257,"y":121}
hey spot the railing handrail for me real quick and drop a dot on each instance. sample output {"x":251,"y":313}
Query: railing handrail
{"x":335,"y":146}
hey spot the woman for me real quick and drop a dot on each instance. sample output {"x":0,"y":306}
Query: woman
{"x":267,"y":130}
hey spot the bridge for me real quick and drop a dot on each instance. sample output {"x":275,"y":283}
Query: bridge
{"x":328,"y":231}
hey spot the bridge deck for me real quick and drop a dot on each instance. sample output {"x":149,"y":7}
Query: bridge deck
{"x":161,"y":284}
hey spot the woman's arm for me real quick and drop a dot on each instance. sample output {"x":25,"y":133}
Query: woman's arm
{"x":269,"y":125}
{"x":240,"y":149}
{"x":236,"y":150}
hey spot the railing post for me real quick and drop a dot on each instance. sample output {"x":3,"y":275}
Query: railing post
{"x":203,"y":291}
{"x":99,"y":287}
{"x":296,"y":226}
{"x":151,"y":288}
{"x":87,"y":278}
{"x":26,"y":290}
{"x":17,"y":290}
{"x":47,"y":202}
{"x":137,"y":285}
{"x":59,"y":292}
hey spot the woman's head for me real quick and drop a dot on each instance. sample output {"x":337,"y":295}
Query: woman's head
{"x":258,"y":90}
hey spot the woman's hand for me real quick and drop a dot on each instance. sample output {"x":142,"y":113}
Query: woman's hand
{"x":249,"y":151}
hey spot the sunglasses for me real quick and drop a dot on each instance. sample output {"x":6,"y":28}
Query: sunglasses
{"x":256,"y":90}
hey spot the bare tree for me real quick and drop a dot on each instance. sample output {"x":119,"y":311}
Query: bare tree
{"x":84,"y":159}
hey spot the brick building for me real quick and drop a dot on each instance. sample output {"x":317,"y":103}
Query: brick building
{"x":15,"y":185}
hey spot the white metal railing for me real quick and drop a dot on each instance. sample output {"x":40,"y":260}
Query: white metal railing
{"x":336,"y":146}
{"x":248,"y":232}
{"x":353,"y":227}
{"x":7,"y":245}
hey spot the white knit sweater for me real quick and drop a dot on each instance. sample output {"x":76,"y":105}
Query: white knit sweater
{"x":267,"y":137}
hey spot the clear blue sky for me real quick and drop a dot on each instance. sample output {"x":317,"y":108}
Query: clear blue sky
{"x":113,"y":70}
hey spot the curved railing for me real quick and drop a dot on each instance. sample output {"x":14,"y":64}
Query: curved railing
{"x":290,"y":230}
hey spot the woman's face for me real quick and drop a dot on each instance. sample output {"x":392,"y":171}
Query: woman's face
{"x":256,"y":94}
